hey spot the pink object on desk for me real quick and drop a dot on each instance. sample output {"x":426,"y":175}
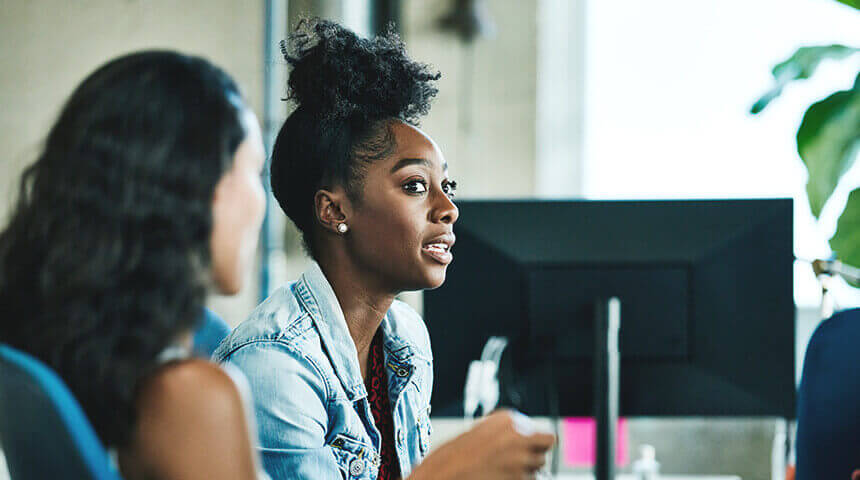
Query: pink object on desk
{"x":578,"y":446}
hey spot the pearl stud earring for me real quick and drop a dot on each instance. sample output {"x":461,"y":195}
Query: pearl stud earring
{"x":342,"y":228}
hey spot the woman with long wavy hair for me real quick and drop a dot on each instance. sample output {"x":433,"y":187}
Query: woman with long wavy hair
{"x":145,"y":197}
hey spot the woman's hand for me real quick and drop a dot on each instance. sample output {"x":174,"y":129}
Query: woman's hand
{"x":497,"y":447}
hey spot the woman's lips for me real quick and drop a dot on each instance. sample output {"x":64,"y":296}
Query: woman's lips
{"x":439,"y":252}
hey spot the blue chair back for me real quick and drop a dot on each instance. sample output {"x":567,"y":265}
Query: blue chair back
{"x":828,"y":401}
{"x":210,"y":332}
{"x":43,"y":430}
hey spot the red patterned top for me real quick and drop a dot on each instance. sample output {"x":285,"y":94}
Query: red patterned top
{"x":380,"y":407}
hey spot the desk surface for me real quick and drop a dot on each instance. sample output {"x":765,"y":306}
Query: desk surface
{"x":661,"y":477}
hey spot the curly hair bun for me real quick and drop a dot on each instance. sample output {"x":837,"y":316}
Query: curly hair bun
{"x":339,"y":76}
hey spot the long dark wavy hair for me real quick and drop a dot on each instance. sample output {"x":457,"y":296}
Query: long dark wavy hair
{"x":105,"y":259}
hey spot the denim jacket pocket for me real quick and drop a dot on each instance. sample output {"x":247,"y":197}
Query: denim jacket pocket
{"x":425,"y":430}
{"x":356,"y":460}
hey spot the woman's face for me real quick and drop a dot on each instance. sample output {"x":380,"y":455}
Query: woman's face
{"x":401,"y":230}
{"x":238,"y":205}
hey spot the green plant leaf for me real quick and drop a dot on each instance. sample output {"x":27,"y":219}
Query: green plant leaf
{"x":845,"y":243}
{"x":828,"y":141}
{"x":851,"y":3}
{"x":800,"y":66}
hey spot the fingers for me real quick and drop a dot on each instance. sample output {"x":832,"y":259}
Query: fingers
{"x":541,"y":442}
{"x":521,"y":430}
{"x":515,"y":443}
{"x":528,"y":461}
{"x":534,"y":462}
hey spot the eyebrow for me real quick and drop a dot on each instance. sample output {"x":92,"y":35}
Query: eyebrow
{"x":405,"y":162}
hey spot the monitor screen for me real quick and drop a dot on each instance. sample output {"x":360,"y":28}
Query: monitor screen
{"x":707,"y":311}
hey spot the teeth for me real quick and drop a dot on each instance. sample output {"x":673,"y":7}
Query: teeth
{"x":438,"y":246}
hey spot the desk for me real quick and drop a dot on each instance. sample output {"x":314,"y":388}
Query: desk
{"x":580,"y":476}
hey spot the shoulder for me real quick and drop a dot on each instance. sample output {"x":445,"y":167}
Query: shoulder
{"x":192,"y":423}
{"x":190,"y":390}
{"x":407,"y":324}
{"x":840,"y":323}
{"x":290,"y":385}
{"x":279,"y":318}
{"x":834,"y":338}
{"x":283,"y":372}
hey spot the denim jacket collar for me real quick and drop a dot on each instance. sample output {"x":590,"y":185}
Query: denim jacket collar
{"x":399,"y":358}
{"x":317,"y":296}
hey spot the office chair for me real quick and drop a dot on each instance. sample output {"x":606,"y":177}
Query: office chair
{"x":211,"y":330}
{"x":43,"y":429}
{"x":828,"y":401}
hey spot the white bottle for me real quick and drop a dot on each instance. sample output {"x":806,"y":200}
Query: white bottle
{"x":646,"y":467}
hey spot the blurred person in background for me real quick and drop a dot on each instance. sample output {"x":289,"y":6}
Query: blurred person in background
{"x":341,"y":372}
{"x":146,"y":196}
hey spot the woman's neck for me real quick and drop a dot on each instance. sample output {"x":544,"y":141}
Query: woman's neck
{"x":364,"y":304}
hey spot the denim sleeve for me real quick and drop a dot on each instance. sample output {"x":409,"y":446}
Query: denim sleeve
{"x":429,"y":352}
{"x":289,"y":397}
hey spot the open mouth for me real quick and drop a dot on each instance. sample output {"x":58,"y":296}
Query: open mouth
{"x":439,"y":250}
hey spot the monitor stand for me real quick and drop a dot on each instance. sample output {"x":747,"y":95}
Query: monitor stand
{"x":607,"y":322}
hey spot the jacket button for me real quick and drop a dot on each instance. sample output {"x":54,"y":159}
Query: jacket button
{"x":402,"y":372}
{"x":356,"y":467}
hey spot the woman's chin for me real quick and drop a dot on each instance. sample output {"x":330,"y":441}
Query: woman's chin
{"x":227,"y":284}
{"x":435,"y":278}
{"x":229,"y":289}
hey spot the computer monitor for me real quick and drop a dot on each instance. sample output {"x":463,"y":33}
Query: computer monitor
{"x":707,"y":311}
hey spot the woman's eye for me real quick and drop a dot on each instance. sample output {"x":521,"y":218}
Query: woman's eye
{"x":415,"y":186}
{"x":450,"y":188}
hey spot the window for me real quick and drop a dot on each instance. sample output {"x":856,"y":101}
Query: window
{"x":669,"y":84}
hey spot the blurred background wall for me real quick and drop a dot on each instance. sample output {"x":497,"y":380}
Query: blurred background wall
{"x":47,"y":47}
{"x":550,"y":98}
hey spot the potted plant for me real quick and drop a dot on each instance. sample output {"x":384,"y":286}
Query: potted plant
{"x":828,"y":142}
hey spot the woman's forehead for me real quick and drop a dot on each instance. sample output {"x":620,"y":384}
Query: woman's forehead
{"x":413,"y":143}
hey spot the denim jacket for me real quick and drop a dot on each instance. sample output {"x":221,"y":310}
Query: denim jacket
{"x":310,"y":400}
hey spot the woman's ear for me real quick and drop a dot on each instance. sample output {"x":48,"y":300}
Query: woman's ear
{"x":331,"y":209}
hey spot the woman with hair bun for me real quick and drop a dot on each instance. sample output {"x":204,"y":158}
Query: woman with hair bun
{"x":341,"y":372}
{"x":146,"y":196}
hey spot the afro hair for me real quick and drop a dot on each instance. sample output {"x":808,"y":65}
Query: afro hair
{"x":346,"y":91}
